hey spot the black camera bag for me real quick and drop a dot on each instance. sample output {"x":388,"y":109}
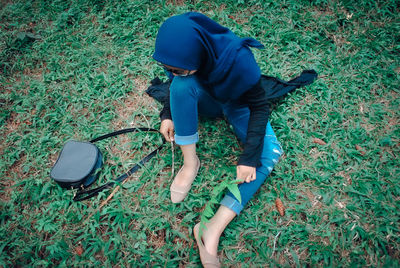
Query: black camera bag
{"x":79,"y":162}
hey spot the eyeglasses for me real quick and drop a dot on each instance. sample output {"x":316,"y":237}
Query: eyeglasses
{"x":175,"y":71}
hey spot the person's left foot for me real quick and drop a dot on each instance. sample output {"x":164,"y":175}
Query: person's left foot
{"x":208,"y":246}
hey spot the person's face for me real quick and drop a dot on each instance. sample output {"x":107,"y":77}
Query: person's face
{"x":178,"y":71}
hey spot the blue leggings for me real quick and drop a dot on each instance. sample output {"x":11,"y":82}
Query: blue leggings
{"x":188,"y":99}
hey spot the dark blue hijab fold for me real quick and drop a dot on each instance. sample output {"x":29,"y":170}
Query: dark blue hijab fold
{"x":225,"y":64}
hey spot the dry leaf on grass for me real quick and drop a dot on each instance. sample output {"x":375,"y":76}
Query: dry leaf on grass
{"x":79,"y":250}
{"x":319,"y":141}
{"x":279,"y":207}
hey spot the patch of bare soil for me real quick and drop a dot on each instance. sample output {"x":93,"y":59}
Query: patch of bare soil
{"x":5,"y":2}
{"x":346,"y":176}
{"x":35,"y":73}
{"x":7,"y":183}
{"x":133,"y":111}
{"x":157,"y":238}
{"x":315,"y":200}
{"x":175,"y":2}
{"x":130,"y":111}
{"x":130,"y":114}
{"x":6,"y":189}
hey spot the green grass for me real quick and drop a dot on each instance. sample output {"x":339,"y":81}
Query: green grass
{"x":82,"y":72}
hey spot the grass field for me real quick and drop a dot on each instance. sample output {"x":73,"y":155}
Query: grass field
{"x":78,"y":69}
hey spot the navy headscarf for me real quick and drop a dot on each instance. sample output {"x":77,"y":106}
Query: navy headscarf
{"x":225,"y":64}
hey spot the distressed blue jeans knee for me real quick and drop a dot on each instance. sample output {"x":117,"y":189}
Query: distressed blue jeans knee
{"x":270,"y":155}
{"x":188,"y":99}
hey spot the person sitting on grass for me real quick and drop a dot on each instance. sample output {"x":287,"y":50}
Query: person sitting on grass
{"x":214,"y":74}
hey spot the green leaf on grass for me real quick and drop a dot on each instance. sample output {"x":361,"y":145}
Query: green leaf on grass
{"x":234,"y":189}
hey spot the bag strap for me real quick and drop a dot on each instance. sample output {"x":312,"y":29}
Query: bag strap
{"x":86,"y":194}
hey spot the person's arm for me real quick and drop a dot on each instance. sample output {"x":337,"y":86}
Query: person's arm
{"x":166,"y":110}
{"x":257,"y":101}
{"x":167,"y":126}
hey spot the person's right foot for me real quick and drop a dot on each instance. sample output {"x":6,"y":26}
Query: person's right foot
{"x":183,"y":182}
{"x":187,"y":174}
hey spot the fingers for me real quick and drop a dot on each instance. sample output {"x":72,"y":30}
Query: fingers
{"x":167,"y":129}
{"x":239,"y":178}
{"x":251,"y":177}
{"x":171,"y":134}
{"x":245,"y":174}
{"x":165,"y":134}
{"x":247,"y":179}
{"x":168,"y":135}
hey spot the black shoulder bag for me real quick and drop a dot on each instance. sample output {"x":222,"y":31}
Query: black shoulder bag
{"x":79,"y":162}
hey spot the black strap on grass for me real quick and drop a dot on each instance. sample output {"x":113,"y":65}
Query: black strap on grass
{"x":84,"y":194}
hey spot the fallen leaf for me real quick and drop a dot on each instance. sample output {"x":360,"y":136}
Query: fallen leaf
{"x":79,"y":250}
{"x":279,"y":207}
{"x":319,"y":141}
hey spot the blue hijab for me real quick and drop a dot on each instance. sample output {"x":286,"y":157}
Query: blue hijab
{"x":225,"y":64}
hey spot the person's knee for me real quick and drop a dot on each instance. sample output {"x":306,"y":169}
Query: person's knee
{"x":183,"y":87}
{"x":272,"y":149}
{"x":238,"y":116}
{"x":271,"y":153}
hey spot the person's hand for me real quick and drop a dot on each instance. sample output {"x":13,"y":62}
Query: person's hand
{"x":167,"y":129}
{"x":245,"y":173}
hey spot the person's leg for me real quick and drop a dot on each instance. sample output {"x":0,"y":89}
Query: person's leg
{"x":187,"y":97}
{"x":208,"y":106}
{"x":238,"y":116}
{"x":215,"y":227}
{"x":269,"y":157}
